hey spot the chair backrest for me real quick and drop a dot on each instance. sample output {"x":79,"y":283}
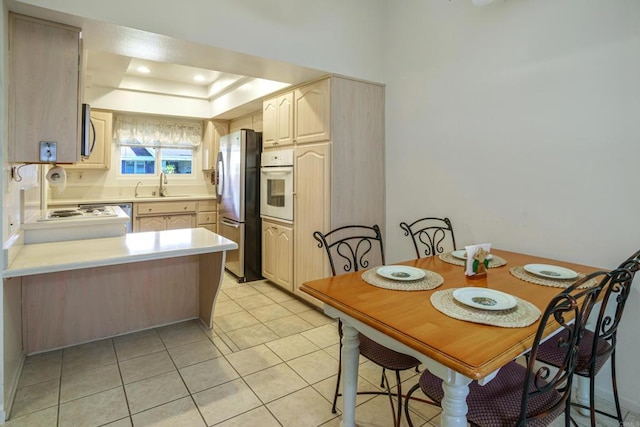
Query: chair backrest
{"x":352,"y":247}
{"x":570,"y":309}
{"x":429,"y":236}
{"x":610,"y":314}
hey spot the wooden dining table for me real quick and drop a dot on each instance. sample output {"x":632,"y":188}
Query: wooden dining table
{"x":457,"y":351}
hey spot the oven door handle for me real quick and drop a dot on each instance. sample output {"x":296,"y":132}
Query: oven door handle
{"x":277,"y":171}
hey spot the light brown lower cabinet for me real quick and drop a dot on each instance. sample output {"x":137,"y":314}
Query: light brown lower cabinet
{"x":277,"y":253}
{"x":166,"y":222}
{"x":311,"y":209}
{"x":160,"y":216}
{"x":208,"y":215}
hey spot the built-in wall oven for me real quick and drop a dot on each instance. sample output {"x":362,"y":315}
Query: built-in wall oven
{"x":276,"y":185}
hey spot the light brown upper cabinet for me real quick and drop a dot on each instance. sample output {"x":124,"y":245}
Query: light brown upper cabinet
{"x":312,"y":113}
{"x":213,"y":129}
{"x":251,"y":121}
{"x":44,"y":90}
{"x":277,"y":121}
{"x":102,"y":130}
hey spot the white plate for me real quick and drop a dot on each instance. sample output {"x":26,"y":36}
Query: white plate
{"x":550,"y":271}
{"x":484,"y":299}
{"x":462,"y":254}
{"x":401,"y":272}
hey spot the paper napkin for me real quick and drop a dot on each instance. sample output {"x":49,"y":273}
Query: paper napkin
{"x":471,"y":251}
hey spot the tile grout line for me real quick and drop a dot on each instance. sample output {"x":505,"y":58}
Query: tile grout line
{"x":193,"y":400}
{"x":59,"y":388}
{"x":124,"y":390}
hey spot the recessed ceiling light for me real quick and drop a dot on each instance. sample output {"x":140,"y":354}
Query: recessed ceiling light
{"x":144,"y":70}
{"x":198,"y":78}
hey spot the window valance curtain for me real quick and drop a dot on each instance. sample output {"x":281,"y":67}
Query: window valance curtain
{"x":134,"y":130}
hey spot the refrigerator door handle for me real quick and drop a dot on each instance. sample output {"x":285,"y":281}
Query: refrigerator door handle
{"x":219,"y":168}
{"x":230,"y":224}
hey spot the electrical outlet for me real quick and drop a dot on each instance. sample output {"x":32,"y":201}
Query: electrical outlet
{"x":48,"y":151}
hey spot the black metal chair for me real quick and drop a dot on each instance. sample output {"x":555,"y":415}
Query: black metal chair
{"x":351,"y":248}
{"x":429,"y":234}
{"x":526,"y":396}
{"x":597,"y":346}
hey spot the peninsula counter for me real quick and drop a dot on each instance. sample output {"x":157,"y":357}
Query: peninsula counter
{"x":84,"y":290}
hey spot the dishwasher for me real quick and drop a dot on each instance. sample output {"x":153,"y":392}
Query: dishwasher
{"x":126,"y":207}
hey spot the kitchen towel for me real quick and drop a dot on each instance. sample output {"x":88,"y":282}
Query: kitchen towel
{"x":57,"y":178}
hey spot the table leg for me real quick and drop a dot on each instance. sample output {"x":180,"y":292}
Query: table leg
{"x":350,"y":355}
{"x":454,"y":402}
{"x":582,"y":394}
{"x":582,"y":383}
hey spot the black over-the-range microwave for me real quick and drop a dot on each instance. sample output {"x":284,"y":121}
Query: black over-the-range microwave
{"x":88,"y":137}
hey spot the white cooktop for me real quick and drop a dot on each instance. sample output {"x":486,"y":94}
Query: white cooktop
{"x":79,"y":213}
{"x":75,"y":224}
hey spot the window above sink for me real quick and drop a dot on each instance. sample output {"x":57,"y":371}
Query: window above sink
{"x":152,"y":145}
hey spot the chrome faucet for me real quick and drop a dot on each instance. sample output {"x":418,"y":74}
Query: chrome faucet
{"x":163,"y":178}
{"x":136,"y":192}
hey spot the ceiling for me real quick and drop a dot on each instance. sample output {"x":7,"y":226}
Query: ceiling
{"x":113,"y":71}
{"x":234,"y":83}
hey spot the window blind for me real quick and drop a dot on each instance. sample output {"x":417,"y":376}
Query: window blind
{"x":145,"y":131}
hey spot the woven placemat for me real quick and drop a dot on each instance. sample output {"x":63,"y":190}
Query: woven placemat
{"x":431,"y":280}
{"x":494,"y":262}
{"x":522,"y":315}
{"x":523,"y":274}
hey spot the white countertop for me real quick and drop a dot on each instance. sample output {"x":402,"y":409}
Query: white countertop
{"x":42,"y":258}
{"x":130,"y":199}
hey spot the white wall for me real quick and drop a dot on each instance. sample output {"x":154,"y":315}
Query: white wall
{"x":520,"y":121}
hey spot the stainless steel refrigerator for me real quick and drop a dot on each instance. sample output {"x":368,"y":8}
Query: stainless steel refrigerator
{"x":238,"y":196}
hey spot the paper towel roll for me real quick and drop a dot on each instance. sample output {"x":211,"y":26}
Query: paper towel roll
{"x":57,"y":178}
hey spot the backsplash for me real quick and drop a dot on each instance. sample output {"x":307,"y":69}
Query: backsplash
{"x":93,"y":192}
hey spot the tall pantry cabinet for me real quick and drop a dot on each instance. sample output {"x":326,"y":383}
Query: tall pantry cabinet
{"x":339,"y":173}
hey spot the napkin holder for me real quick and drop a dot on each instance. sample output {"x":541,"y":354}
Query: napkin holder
{"x":477,"y":263}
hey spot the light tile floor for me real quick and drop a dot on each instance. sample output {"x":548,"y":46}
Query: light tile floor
{"x":271,"y":360}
